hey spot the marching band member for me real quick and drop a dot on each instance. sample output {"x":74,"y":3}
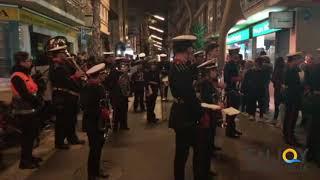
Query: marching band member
{"x":65,"y":82}
{"x":93,"y":100}
{"x":186,"y":112}
{"x":138,"y":85}
{"x":118,"y":84}
{"x":152,"y":88}
{"x":232,"y":78}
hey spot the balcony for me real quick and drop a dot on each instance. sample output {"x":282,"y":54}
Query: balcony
{"x":68,"y":11}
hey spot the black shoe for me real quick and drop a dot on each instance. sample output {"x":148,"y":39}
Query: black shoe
{"x":78,"y":142}
{"x":93,"y":178}
{"x":213,"y":174}
{"x":30,"y":165}
{"x":155,"y":120}
{"x":37,"y":159}
{"x":103,"y":175}
{"x":234,"y":136}
{"x":216,"y":148}
{"x":63,"y":146}
{"x":238,"y":132}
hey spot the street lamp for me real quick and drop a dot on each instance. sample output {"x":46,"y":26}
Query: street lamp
{"x":156,"y":29}
{"x":156,"y":37}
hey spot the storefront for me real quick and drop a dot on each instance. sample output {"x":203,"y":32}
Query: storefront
{"x":259,"y":37}
{"x":18,"y":26}
{"x":241,"y":39}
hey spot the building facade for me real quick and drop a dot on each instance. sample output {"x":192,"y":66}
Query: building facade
{"x":262,"y":28}
{"x":26,"y":25}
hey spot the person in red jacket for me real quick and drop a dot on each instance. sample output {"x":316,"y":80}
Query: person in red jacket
{"x":25,"y":105}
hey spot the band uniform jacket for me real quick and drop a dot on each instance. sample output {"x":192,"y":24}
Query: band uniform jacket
{"x":152,"y":80}
{"x":186,"y":111}
{"x":90,"y":99}
{"x":138,"y":81}
{"x":119,"y":88}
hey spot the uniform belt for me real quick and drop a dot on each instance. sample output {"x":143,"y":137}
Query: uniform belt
{"x":23,"y":112}
{"x":178,"y":101}
{"x":67,"y":91}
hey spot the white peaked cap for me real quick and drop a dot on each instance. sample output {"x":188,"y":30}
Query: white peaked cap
{"x":206,"y":63}
{"x":163,"y":55}
{"x":234,"y":47}
{"x":141,"y":55}
{"x":294,"y":54}
{"x":185,"y":38}
{"x":96,"y":68}
{"x":108,"y":53}
{"x":198,"y":52}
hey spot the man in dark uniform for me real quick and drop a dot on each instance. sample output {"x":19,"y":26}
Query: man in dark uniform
{"x":65,"y":96}
{"x":138,"y":84}
{"x":93,"y":102}
{"x":164,"y":70}
{"x":293,"y":97}
{"x":186,"y":112}
{"x":311,"y":106}
{"x":231,"y":78}
{"x":118,"y":85}
{"x":152,"y":88}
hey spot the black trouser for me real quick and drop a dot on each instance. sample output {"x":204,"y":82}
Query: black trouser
{"x":199,"y":140}
{"x":151,"y":104}
{"x":277,"y":101}
{"x":252,"y":100}
{"x":244,"y":103}
{"x":96,"y":141}
{"x":120,"y":113}
{"x":66,"y":107}
{"x":267,"y":98}
{"x":289,"y":123}
{"x":214,"y":125}
{"x":311,"y":107}
{"x":233,"y":100}
{"x":139,"y":100}
{"x":29,"y":126}
{"x":164,"y":91}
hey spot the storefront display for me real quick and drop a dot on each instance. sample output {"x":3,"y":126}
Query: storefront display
{"x":255,"y":39}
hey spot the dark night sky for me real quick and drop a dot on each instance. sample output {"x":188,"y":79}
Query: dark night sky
{"x":153,"y":6}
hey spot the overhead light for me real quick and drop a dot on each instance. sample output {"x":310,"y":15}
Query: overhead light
{"x":156,"y":37}
{"x":242,"y":21}
{"x":156,"y":29}
{"x":159,"y":17}
{"x":158,"y":46}
{"x":156,"y":42}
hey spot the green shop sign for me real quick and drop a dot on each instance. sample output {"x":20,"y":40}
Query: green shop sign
{"x":238,"y":36}
{"x":262,"y":29}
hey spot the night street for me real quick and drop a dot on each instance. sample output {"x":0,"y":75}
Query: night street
{"x":159,"y":89}
{"x":146,"y":152}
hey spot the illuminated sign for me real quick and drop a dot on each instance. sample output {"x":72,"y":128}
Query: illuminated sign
{"x":238,"y":36}
{"x":262,"y":29}
{"x":8,"y":13}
